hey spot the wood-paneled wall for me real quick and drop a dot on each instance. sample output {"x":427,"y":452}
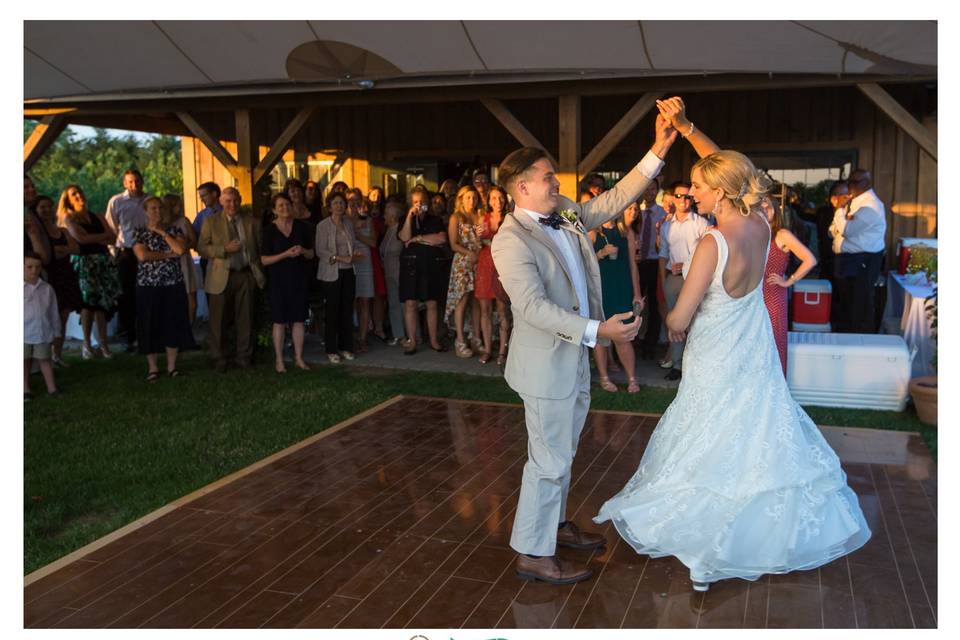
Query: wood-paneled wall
{"x":784,"y":120}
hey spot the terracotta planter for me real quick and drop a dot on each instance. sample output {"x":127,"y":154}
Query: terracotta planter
{"x":923,"y":390}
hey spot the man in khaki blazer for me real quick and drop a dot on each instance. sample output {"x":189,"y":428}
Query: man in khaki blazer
{"x":549,"y":269}
{"x":230,"y":241}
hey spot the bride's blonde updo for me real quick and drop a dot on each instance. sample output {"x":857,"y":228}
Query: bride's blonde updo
{"x":735,"y":174}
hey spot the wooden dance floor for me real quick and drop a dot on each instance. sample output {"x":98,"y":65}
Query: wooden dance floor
{"x":401,"y":518}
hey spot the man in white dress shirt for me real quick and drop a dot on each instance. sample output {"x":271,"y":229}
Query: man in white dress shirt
{"x":678,"y":240}
{"x":125,"y":215}
{"x":859,"y":245}
{"x":550,"y":272}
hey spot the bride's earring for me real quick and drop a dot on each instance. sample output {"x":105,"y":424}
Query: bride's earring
{"x":716,"y":205}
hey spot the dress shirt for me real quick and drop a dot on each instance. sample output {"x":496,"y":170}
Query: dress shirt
{"x":837,"y":227}
{"x":41,"y":318}
{"x":866,"y":231}
{"x":203,"y":215}
{"x":126,"y":214}
{"x":679,"y":238}
{"x":652,"y":215}
{"x":564,"y":241}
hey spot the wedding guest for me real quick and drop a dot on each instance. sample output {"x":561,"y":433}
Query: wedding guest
{"x":487,"y":279}
{"x":125,"y":215}
{"x":376,"y":201}
{"x":615,"y":245}
{"x":338,"y":251}
{"x":825,"y":216}
{"x":860,"y":258}
{"x":286,"y":253}
{"x":162,"y":318}
{"x":60,"y":273}
{"x":462,"y":231}
{"x":41,"y":325}
{"x":172,"y":212}
{"x":209,"y":194}
{"x":596,"y":185}
{"x":423,"y":277}
{"x":313,"y":198}
{"x":297,"y":196}
{"x":34,"y":240}
{"x":338,"y":187}
{"x":448,"y":189}
{"x":363,"y":268}
{"x":645,"y":227}
{"x":481,"y":182}
{"x":96,"y":271}
{"x":230,"y":240}
{"x":390,"y":249}
{"x":775,"y":287}
{"x":678,"y":240}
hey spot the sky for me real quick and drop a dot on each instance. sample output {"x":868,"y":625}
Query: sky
{"x":89,"y":132}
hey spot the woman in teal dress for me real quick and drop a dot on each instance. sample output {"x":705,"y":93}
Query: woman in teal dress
{"x":616,"y":244}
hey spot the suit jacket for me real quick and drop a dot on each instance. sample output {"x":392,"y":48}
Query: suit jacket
{"x":545,"y":346}
{"x":214,"y":235}
{"x":325,"y":245}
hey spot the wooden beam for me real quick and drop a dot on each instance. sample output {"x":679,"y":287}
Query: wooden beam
{"x":288,"y":97}
{"x":209,"y":141}
{"x":615,"y":136}
{"x":514,"y":126}
{"x":44,"y":135}
{"x":900,"y":116}
{"x":282,"y":142}
{"x":569,"y":145}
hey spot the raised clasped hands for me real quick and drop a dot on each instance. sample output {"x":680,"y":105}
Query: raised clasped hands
{"x":675,"y":112}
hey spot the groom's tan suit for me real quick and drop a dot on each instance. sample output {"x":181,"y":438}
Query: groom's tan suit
{"x":554,"y":324}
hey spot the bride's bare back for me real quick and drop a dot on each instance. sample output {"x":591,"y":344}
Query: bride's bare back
{"x":747,"y":240}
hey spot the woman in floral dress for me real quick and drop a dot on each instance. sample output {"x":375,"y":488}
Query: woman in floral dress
{"x":462,"y":231}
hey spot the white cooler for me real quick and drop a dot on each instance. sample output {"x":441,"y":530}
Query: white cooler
{"x":861,"y":371}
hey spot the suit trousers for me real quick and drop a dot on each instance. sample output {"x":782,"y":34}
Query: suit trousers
{"x":671,"y":291}
{"x":648,"y":272}
{"x":127,"y":304}
{"x":233,"y":306}
{"x":395,"y":307}
{"x":553,"y":432}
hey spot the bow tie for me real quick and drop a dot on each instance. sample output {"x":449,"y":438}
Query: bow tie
{"x":554,"y":220}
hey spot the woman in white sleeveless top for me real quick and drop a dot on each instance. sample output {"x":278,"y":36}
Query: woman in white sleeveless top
{"x":736,"y":481}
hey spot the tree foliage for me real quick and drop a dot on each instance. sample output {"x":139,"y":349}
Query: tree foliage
{"x":97,"y":164}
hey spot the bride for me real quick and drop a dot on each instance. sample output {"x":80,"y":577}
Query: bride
{"x":737,"y":481}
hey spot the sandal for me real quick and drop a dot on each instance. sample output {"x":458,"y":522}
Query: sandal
{"x":485,"y":357}
{"x":303,"y":366}
{"x":440,"y":349}
{"x":409,"y":347}
{"x":334,"y":358}
{"x":634,"y":386}
{"x":462,"y":350}
{"x":502,"y":359}
{"x":153,"y":376}
{"x":279,"y":367}
{"x":173,"y":374}
{"x":606,"y":385}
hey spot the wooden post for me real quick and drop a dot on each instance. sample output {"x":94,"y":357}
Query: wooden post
{"x":41,"y":138}
{"x":248,"y":152}
{"x":569,"y":146}
{"x":615,"y":136}
{"x":900,"y":116}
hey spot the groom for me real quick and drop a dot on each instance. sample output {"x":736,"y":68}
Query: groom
{"x":549,"y":269}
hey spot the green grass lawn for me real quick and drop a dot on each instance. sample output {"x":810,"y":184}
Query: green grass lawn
{"x":114,"y":448}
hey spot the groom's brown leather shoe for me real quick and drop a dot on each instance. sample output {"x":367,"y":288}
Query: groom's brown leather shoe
{"x":550,"y":569}
{"x":570,"y":536}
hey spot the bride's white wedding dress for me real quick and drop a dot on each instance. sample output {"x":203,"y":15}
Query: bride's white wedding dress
{"x":737,"y":481}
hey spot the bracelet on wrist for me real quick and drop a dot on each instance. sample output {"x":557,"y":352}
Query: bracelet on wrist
{"x":689,"y":133}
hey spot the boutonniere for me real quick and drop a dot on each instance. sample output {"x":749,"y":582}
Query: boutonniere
{"x":569,"y":215}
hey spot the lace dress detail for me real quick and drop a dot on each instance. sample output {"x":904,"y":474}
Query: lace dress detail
{"x":737,"y":481}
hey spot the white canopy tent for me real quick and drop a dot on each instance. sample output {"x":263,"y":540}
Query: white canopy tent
{"x":77,"y":61}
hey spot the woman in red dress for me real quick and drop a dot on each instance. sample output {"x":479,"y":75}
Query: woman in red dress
{"x":487,"y":278}
{"x":775,"y":286}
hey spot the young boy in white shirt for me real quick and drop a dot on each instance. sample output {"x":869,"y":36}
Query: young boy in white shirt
{"x":41,"y":324}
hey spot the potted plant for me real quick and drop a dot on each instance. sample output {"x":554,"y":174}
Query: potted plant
{"x":923,"y":389}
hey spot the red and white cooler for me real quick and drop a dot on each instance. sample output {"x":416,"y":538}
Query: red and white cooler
{"x":811,"y":306}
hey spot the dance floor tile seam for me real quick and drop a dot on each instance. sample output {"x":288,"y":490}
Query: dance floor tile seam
{"x":402,"y":518}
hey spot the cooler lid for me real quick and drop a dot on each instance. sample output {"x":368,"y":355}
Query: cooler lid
{"x":813,"y":286}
